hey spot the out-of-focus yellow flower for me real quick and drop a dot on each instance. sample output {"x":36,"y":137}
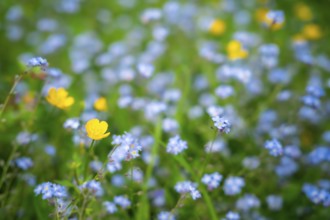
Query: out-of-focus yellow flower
{"x":101,"y":104}
{"x":261,"y":13}
{"x":235,"y":50}
{"x":28,"y":98}
{"x":59,"y":98}
{"x":263,"y":1}
{"x":303,"y":12}
{"x":298,"y":38}
{"x":217,"y":27}
{"x":312,"y":32}
{"x":97,"y":129}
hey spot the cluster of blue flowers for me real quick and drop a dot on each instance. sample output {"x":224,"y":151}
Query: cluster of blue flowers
{"x":317,"y":195}
{"x":274,"y":147}
{"x":51,"y":191}
{"x":312,"y":98}
{"x":127,"y":147}
{"x":222,"y":124}
{"x":188,"y":187}
{"x":24,"y":163}
{"x":212,"y":180}
{"x":176,"y":145}
{"x":92,"y":187}
{"x":319,"y":155}
{"x":37,"y":62}
{"x":233,"y":185}
{"x":121,"y":201}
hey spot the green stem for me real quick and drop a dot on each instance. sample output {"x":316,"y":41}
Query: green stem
{"x":6,"y":167}
{"x":105,"y":163}
{"x":11,"y":92}
{"x":34,"y":113}
{"x":132,"y":182}
{"x":75,"y":175}
{"x":208,"y":155}
{"x":82,"y":211}
{"x":143,"y":211}
{"x":56,"y":210}
{"x":204,"y":192}
{"x":90,"y":152}
{"x":178,"y":204}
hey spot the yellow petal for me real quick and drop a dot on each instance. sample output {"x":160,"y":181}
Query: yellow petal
{"x":91,"y":124}
{"x":103,"y":126}
{"x":51,"y":96}
{"x":106,"y":135}
{"x":62,"y":93}
{"x":234,"y":46}
{"x":68,"y":102}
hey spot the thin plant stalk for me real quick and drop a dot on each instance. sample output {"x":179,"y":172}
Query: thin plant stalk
{"x":6,"y":167}
{"x":105,"y":163}
{"x":90,"y":151}
{"x":11,"y":92}
{"x":208,"y":155}
{"x":179,"y":203}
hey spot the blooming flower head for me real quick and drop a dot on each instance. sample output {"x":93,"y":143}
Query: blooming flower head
{"x":96,"y":129}
{"x":176,"y":145}
{"x":247,"y":202}
{"x":71,"y":124}
{"x":274,"y":202}
{"x":217,"y":27}
{"x":127,"y":147}
{"x":59,"y":98}
{"x":188,"y":187}
{"x":37,"y":62}
{"x":236,"y":51}
{"x":93,"y":187}
{"x":24,"y":163}
{"x":110,"y":207}
{"x":261,"y":14}
{"x":303,"y":12}
{"x":274,"y":19}
{"x":232,"y":216}
{"x":222,"y":124}
{"x":212,"y":180}
{"x":122,"y":201}
{"x":274,"y":147}
{"x":312,"y":32}
{"x":51,"y":190}
{"x":165,"y":216}
{"x":101,"y":104}
{"x":316,"y":194}
{"x":233,"y":185}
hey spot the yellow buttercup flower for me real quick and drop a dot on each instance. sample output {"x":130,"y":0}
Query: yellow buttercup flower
{"x":59,"y":98}
{"x":101,"y":104}
{"x":217,"y":27}
{"x":235,"y":50}
{"x":97,"y":129}
{"x":261,"y":14}
{"x":299,"y":38}
{"x":303,"y":12}
{"x":312,"y":32}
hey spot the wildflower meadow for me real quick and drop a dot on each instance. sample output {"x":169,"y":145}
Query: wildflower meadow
{"x":165,"y":109}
